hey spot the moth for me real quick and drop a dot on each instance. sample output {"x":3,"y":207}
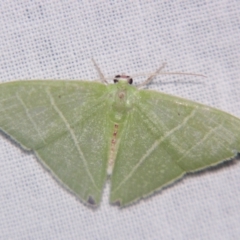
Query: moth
{"x":83,"y":131}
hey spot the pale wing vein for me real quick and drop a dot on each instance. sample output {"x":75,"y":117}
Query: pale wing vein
{"x":30,"y":118}
{"x":6,"y":99}
{"x":73,"y":137}
{"x":199,"y":142}
{"x":153,"y":147}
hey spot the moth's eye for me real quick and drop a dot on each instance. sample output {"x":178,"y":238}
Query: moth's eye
{"x":130,"y":80}
{"x":115,"y":80}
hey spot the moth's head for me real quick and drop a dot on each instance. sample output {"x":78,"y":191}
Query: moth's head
{"x":123,"y":78}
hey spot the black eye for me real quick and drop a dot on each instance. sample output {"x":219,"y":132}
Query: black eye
{"x":130,"y":80}
{"x":115,"y":80}
{"x":117,"y":76}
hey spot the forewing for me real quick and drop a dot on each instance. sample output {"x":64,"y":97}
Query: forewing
{"x":65,"y":123}
{"x":166,"y":137}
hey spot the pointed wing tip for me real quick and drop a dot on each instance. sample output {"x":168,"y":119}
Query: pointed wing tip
{"x":117,"y":203}
{"x":122,"y":204}
{"x":91,"y":201}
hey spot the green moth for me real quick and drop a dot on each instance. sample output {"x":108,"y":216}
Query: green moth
{"x":83,"y":131}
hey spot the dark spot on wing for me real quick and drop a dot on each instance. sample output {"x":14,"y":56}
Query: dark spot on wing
{"x":117,"y":203}
{"x":91,"y":200}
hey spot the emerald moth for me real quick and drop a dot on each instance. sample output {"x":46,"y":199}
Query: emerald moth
{"x":84,"y":131}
